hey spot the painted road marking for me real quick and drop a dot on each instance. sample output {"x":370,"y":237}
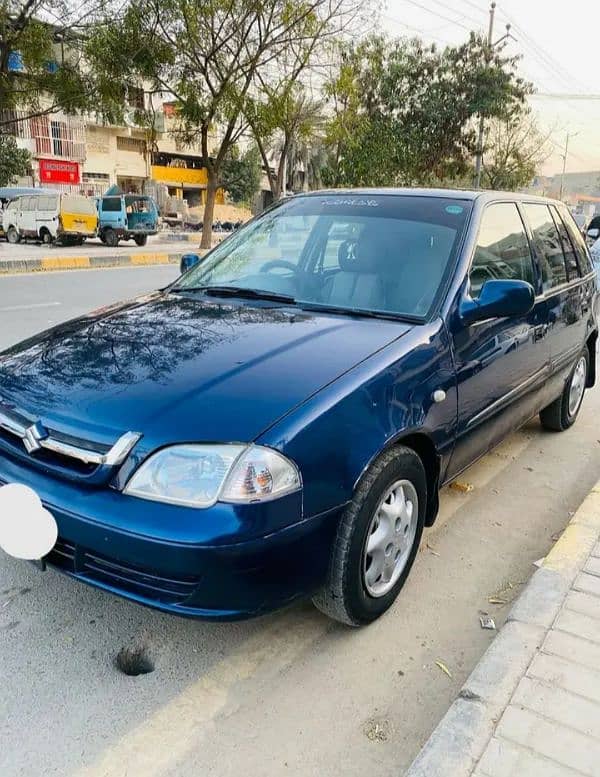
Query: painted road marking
{"x":14,"y":308}
{"x":158,"y":744}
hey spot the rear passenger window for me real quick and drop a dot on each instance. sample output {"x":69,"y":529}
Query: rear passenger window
{"x":585,"y":264}
{"x":547,"y":241}
{"x":111,"y":204}
{"x":502,"y":251}
{"x":568,"y":250}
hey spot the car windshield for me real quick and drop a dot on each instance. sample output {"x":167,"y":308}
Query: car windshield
{"x":384,"y":253}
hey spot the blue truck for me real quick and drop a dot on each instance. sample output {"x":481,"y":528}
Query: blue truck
{"x":126,"y":217}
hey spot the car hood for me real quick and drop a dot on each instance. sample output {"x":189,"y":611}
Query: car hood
{"x":179,"y":367}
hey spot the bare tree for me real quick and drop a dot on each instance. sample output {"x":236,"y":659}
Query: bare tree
{"x":515,"y":148}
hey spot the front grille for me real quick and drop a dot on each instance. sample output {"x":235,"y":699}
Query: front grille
{"x":15,"y":445}
{"x":81,"y":562}
{"x":25,"y":437}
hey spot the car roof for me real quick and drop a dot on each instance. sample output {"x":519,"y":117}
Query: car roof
{"x":457,"y":194}
{"x":11,"y":192}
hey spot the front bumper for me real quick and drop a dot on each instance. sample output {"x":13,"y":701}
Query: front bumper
{"x":208,"y":577}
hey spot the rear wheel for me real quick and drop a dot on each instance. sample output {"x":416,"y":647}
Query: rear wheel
{"x":12,"y":235}
{"x":563,"y":412}
{"x":111,"y":238}
{"x":46,"y":237}
{"x":377,"y":540}
{"x":141,"y":240}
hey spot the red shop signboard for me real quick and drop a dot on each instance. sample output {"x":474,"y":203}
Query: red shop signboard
{"x":59,"y":171}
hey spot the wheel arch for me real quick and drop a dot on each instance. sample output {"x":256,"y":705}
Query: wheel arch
{"x":422,"y":444}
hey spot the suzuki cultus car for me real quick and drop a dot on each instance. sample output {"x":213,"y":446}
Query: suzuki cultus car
{"x":276,"y":423}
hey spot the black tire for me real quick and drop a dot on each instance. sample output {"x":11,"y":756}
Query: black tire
{"x":558,"y":417}
{"x":345,"y":597}
{"x":12,"y":236}
{"x":46,"y":237}
{"x":110,"y":237}
{"x":141,"y":240}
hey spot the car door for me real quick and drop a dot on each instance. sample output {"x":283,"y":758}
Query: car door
{"x":568,"y":298}
{"x":499,"y":362}
{"x":27,"y":216}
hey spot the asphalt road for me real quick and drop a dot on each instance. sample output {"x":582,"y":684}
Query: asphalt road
{"x":291,"y":693}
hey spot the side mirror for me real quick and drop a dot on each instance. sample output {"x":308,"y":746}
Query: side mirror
{"x":498,"y":299}
{"x":188,"y":261}
{"x":593,"y":233}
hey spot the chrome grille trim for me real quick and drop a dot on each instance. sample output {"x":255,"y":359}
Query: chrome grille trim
{"x":13,"y":424}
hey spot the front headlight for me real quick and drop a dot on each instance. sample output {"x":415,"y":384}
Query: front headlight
{"x":200,"y":475}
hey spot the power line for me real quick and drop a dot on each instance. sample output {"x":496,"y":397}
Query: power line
{"x":439,"y":15}
{"x":462,"y":16}
{"x":421,"y":32}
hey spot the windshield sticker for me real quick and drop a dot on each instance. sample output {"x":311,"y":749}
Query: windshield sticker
{"x":351,"y":203}
{"x":455,"y":210}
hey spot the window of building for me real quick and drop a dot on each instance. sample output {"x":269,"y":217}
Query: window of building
{"x":125,"y":143}
{"x":135,"y":97}
{"x":548,"y":244}
{"x":502,"y":251}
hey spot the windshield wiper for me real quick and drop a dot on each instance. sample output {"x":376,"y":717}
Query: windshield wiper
{"x":361,"y":312}
{"x":240,"y":291}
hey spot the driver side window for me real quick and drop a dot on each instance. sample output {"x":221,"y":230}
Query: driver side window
{"x":502,"y":251}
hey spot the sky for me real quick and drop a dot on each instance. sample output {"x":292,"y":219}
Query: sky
{"x":560,"y":52}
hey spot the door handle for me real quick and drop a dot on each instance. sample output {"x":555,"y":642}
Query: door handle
{"x":539,"y":332}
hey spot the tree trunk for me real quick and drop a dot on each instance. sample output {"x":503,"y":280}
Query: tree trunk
{"x":209,"y":208}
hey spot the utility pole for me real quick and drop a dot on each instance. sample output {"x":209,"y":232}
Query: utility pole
{"x":564,"y":170}
{"x":479,"y":159}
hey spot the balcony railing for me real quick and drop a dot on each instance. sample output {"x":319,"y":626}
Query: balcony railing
{"x":54,"y":135}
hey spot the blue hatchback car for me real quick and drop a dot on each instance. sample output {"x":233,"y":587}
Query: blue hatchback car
{"x":276,"y":424}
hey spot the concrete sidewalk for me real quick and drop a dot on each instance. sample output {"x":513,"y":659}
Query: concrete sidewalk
{"x":531,"y":707}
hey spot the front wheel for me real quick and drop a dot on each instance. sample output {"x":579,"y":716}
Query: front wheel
{"x":377,"y":540}
{"x":12,"y":236}
{"x":563,"y":412}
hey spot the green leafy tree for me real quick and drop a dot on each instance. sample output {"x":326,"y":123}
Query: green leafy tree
{"x":242,"y":174}
{"x":40,"y":58}
{"x":14,"y":161}
{"x":514,"y":150}
{"x":286,"y":122}
{"x":404,"y":113}
{"x":207,"y":55}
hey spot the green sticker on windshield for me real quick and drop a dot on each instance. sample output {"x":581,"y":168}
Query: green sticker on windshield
{"x":455,"y":210}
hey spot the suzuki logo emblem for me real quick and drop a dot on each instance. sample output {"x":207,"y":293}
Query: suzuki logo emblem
{"x":33,"y":437}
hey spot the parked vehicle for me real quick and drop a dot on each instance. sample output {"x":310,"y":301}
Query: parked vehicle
{"x":126,"y":217}
{"x":8,"y":193}
{"x":48,"y":216}
{"x":592,"y":231}
{"x":264,"y":430}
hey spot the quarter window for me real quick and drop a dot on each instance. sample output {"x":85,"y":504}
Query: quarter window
{"x":585,"y":263}
{"x":502,"y":251}
{"x":548,"y":244}
{"x":568,"y":250}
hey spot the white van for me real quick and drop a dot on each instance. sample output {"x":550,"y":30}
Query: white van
{"x":50,"y":216}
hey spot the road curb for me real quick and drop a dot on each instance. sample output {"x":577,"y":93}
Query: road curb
{"x":54,"y":263}
{"x":458,"y":742}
